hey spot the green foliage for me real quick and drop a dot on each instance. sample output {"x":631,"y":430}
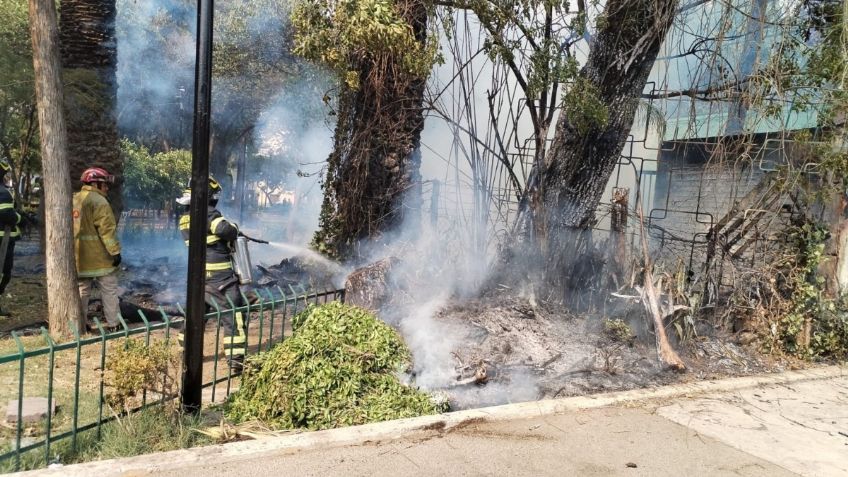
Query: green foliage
{"x":150,"y":180}
{"x":339,"y":368}
{"x":18,"y":131}
{"x":525,"y":35}
{"x":618,"y":330}
{"x":135,"y":367}
{"x":814,"y":325}
{"x":583,"y":107}
{"x":343,"y":33}
{"x":813,"y":71}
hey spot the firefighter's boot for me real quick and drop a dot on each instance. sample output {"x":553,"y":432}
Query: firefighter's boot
{"x":236,"y":363}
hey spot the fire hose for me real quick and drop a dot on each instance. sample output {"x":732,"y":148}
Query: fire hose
{"x":251,"y":239}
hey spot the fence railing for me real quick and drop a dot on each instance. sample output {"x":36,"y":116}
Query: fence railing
{"x":72,"y":374}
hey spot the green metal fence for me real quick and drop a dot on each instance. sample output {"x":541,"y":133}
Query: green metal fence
{"x":41,"y":366}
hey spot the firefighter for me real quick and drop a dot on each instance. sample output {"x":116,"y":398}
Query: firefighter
{"x":9,"y":231}
{"x":222,"y":283}
{"x":98,"y":252}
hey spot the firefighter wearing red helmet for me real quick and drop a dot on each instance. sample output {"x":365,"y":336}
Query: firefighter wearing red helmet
{"x":222,"y":283}
{"x":98,"y":252}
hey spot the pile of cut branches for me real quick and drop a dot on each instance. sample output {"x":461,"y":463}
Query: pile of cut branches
{"x":341,"y":367}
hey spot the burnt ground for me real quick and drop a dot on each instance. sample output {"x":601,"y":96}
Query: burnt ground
{"x":152,"y":276}
{"x":545,"y":352}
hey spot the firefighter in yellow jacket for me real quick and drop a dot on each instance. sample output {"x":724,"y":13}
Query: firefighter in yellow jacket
{"x":98,"y":251}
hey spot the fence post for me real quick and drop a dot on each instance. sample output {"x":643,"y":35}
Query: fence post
{"x":217,"y":343}
{"x":261,"y":301}
{"x":75,"y":329}
{"x":102,"y":374}
{"x":20,"y":428}
{"x":271,"y":323}
{"x":50,"y":345}
{"x":147,"y":345}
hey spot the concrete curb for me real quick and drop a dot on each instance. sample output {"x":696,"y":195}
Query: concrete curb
{"x":237,"y":451}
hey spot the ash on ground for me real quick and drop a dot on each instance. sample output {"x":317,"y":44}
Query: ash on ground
{"x":528,"y":353}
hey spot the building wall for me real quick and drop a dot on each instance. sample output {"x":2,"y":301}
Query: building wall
{"x":697,"y":184}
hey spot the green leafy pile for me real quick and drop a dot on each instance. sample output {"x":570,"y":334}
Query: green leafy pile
{"x":339,"y":368}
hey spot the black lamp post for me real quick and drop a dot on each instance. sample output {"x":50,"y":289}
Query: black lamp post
{"x":195,"y":303}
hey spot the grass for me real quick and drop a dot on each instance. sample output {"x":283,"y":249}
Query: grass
{"x":36,"y":378}
{"x":155,"y":429}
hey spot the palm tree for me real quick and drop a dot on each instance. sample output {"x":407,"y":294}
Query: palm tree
{"x":89,"y":59}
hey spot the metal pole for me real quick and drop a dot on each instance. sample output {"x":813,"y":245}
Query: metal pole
{"x":195,"y":304}
{"x":240,"y":166}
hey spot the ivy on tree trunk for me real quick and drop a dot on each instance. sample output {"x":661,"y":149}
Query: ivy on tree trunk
{"x":373,"y":181}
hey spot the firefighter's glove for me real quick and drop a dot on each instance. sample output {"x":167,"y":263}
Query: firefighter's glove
{"x":116,"y":260}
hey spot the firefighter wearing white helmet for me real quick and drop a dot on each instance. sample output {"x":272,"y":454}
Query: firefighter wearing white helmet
{"x":9,"y":231}
{"x":98,"y":251}
{"x":222,"y":283}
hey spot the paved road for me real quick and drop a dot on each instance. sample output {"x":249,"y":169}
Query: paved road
{"x":599,"y":442}
{"x":792,"y":424}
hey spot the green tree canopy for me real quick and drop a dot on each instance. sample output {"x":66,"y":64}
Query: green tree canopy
{"x":151,"y":180}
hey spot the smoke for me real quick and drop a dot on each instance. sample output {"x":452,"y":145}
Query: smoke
{"x":293,"y":141}
{"x":155,"y":71}
{"x":435,"y":272}
{"x":266,"y":105}
{"x":156,"y":58}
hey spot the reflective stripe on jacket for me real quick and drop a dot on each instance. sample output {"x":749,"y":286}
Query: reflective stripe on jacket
{"x":95,"y":240}
{"x":8,"y":215}
{"x":218,"y":238}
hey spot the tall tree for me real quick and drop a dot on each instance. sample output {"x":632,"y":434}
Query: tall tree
{"x":63,"y":300}
{"x":379,"y":49}
{"x":89,"y":59}
{"x":596,"y":118}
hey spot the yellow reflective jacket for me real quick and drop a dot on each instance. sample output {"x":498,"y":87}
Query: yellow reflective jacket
{"x":95,"y":241}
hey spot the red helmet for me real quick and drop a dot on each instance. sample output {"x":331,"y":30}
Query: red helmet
{"x":96,"y":174}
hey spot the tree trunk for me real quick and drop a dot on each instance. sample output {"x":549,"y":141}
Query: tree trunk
{"x":587,"y":147}
{"x":373,"y":181}
{"x":63,"y":300}
{"x":89,"y":59}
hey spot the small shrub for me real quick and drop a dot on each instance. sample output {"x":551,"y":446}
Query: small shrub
{"x":135,"y":367}
{"x":619,"y":331}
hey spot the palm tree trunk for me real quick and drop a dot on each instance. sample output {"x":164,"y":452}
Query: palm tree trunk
{"x":63,"y":301}
{"x":89,"y":59}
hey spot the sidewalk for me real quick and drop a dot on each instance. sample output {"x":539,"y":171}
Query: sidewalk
{"x":793,"y":423}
